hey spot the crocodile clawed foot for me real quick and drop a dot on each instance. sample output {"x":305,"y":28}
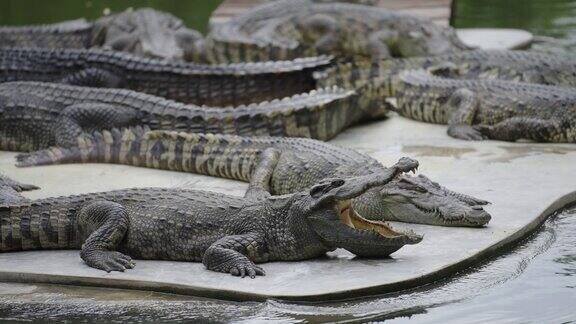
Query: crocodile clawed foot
{"x":406,"y":164}
{"x":16,"y":185}
{"x":466,"y":132}
{"x":247,"y":268}
{"x":108,"y":260}
{"x":24,"y":187}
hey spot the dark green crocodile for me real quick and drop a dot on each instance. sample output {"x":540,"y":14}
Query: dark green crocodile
{"x":35,"y":115}
{"x":300,"y":164}
{"x":214,"y":85}
{"x":226,"y":233}
{"x":288,"y":29}
{"x":373,"y":81}
{"x":145,"y":32}
{"x":495,"y":109}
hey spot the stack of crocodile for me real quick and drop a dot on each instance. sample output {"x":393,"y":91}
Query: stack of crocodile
{"x":63,"y":101}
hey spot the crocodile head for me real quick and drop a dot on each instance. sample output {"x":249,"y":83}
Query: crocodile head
{"x":420,"y":200}
{"x":329,"y":214}
{"x":427,"y":40}
{"x":148,"y":32}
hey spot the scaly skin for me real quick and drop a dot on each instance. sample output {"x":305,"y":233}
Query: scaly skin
{"x":495,"y":109}
{"x":145,"y":32}
{"x":226,"y":233}
{"x":214,"y":85}
{"x":297,"y":164}
{"x":294,"y":28}
{"x":373,"y":81}
{"x":37,"y":115}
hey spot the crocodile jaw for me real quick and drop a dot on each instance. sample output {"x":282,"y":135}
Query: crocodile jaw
{"x":351,"y":218}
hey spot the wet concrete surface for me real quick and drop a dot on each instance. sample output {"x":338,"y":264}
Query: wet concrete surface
{"x":522,"y":180}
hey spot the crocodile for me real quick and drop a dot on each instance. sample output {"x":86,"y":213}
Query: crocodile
{"x":287,"y":29}
{"x":300,"y":164}
{"x":373,"y":81}
{"x":214,"y":85}
{"x":227,"y":234}
{"x":36,"y":115}
{"x":494,"y":109}
{"x":146,"y":32}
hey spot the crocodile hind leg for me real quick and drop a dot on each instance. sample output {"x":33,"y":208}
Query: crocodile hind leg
{"x":233,"y":254}
{"x":94,"y":77}
{"x":259,"y":186}
{"x":104,"y":224}
{"x":463,"y":105}
{"x":79,"y":118}
{"x":515,"y":128}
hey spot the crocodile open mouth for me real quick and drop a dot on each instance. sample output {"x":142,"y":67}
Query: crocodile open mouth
{"x":351,"y":218}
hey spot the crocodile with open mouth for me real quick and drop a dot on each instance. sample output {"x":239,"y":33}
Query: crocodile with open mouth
{"x":227,"y":234}
{"x":298,"y":163}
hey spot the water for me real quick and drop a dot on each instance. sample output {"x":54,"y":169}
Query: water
{"x":533,"y":283}
{"x":552,"y":21}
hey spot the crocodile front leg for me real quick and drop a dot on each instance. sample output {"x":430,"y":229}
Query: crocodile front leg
{"x":15,"y":185}
{"x":259,"y":186}
{"x":79,"y":118}
{"x":233,"y":254}
{"x":104,"y":223}
{"x":94,"y":77}
{"x":10,"y":191}
{"x":463,"y":105}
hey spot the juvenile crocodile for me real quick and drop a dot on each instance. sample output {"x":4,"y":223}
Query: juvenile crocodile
{"x":501,"y":110}
{"x":145,"y":32}
{"x":298,"y":164}
{"x":226,"y":233}
{"x":35,"y":115}
{"x":373,"y":81}
{"x":214,"y":85}
{"x":287,"y":29}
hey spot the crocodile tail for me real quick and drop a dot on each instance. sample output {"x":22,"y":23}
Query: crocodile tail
{"x":225,"y":156}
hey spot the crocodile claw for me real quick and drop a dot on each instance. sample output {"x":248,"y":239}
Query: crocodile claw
{"x":247,"y":269}
{"x":466,"y":132}
{"x":109,"y":261}
{"x":406,"y":164}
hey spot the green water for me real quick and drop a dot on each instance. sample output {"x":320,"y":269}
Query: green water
{"x":552,"y":21}
{"x":195,"y":13}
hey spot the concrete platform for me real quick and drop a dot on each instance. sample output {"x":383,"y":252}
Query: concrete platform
{"x":495,"y":38}
{"x":525,"y":182}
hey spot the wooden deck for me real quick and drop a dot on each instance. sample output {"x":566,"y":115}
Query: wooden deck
{"x":436,"y":10}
